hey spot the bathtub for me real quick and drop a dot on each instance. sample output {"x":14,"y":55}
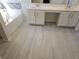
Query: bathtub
{"x":13,"y":22}
{"x":15,"y":18}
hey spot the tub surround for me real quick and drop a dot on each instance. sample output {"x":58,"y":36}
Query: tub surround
{"x":3,"y":34}
{"x":12,"y":16}
{"x":12,"y":25}
{"x":17,"y":21}
{"x":15,"y":5}
{"x":3,"y":29}
{"x":13,"y":22}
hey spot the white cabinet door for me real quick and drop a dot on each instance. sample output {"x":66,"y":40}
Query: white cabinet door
{"x":31,"y":17}
{"x":77,"y":27}
{"x":69,"y":19}
{"x":73,"y":19}
{"x":40,"y":17}
{"x":63,"y":19}
{"x":3,"y":29}
{"x":36,"y":17}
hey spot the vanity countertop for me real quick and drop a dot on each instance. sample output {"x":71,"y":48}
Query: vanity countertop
{"x":51,"y":7}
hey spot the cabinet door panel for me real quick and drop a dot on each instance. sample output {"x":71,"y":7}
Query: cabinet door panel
{"x":76,"y":18}
{"x":77,"y":27}
{"x":63,"y":19}
{"x":31,"y":17}
{"x":40,"y":17}
{"x":73,"y":19}
{"x":69,"y":19}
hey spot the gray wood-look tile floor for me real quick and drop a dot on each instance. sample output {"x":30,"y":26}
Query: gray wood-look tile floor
{"x":41,"y":42}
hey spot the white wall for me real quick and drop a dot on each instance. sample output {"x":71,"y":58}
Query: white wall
{"x":25,"y":4}
{"x":57,"y":1}
{"x":72,"y":2}
{"x":77,"y":27}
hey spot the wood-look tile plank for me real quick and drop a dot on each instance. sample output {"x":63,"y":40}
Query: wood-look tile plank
{"x":41,"y":42}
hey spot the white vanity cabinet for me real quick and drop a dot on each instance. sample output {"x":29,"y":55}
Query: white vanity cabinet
{"x":69,"y":19}
{"x":36,"y":17}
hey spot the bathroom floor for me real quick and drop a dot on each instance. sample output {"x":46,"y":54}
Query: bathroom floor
{"x":41,"y":42}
